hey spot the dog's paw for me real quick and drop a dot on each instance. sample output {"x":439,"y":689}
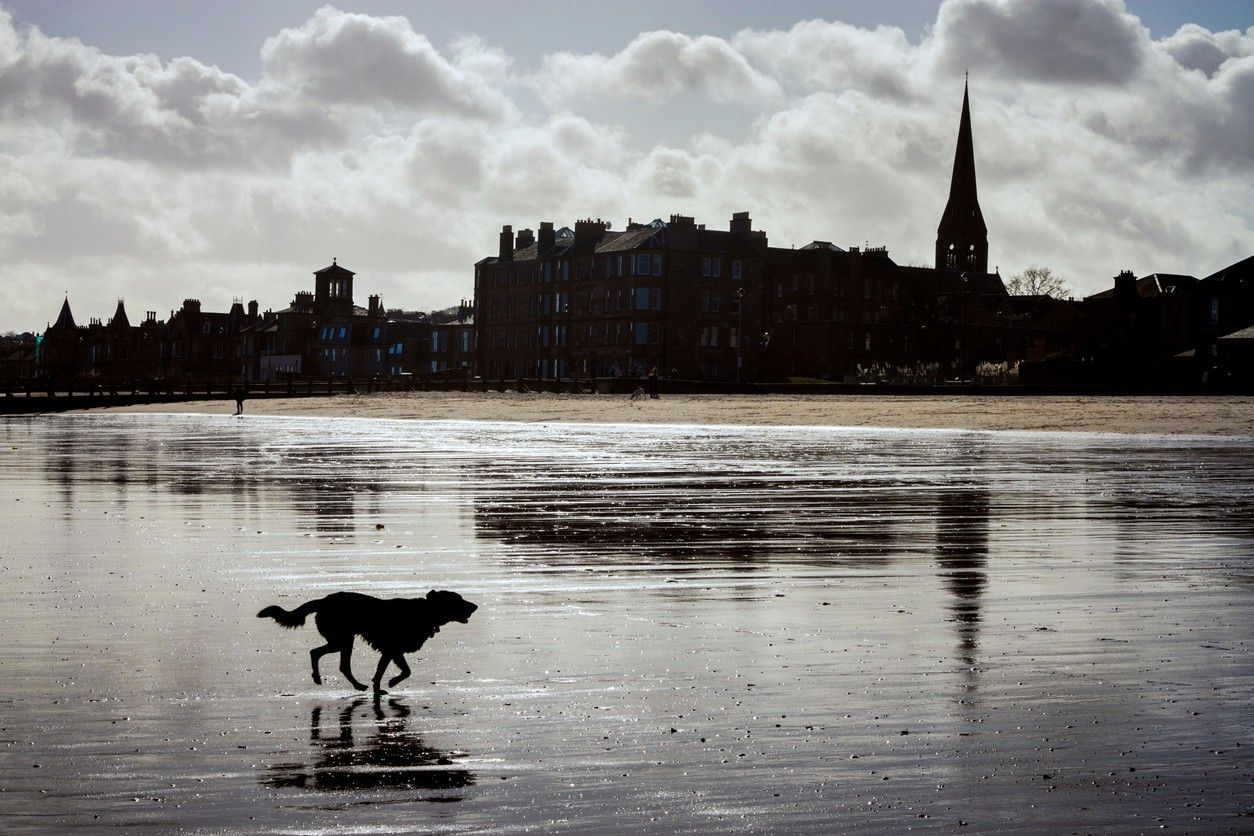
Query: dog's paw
{"x":317,"y":679}
{"x":392,"y":682}
{"x":378,"y":692}
{"x":359,"y":686}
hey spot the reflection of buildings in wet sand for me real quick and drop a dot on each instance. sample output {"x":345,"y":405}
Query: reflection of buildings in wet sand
{"x":310,"y":486}
{"x":962,"y":516}
{"x":76,"y":455}
{"x":390,"y":758}
{"x":732,"y":518}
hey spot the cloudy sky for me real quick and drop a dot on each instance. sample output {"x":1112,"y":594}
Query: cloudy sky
{"x":159,"y":151}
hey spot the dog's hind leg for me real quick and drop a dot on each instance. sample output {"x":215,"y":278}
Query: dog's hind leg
{"x":316,"y":654}
{"x":403,"y":675}
{"x":346,"y":668}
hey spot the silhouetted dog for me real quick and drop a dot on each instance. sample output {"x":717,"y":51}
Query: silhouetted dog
{"x":392,"y":626}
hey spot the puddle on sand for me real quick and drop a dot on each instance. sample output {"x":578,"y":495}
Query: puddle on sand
{"x":679,"y":629}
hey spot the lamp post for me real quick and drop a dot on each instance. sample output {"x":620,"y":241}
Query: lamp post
{"x":740,"y":328}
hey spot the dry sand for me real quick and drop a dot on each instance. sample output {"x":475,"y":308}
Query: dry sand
{"x":1218,"y":415}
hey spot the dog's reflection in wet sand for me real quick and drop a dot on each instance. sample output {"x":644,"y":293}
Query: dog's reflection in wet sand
{"x":387,"y":757}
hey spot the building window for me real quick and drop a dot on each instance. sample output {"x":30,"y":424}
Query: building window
{"x":866,"y":341}
{"x":1214,"y":310}
{"x":343,"y":331}
{"x":716,"y":267}
{"x":640,"y":333}
{"x":737,"y":270}
{"x":642,"y":264}
{"x":657,"y":264}
{"x":640,"y":298}
{"x":705,"y":267}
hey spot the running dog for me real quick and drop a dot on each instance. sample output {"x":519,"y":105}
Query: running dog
{"x":392,"y":626}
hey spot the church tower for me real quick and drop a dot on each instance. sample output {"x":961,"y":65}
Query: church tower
{"x":962,"y":237}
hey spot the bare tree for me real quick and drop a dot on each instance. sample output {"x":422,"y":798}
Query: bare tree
{"x":1037,"y":281}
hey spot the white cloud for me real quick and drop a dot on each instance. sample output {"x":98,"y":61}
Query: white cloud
{"x":130,"y":176}
{"x":832,"y":55}
{"x":655,"y":66}
{"x":355,"y":60}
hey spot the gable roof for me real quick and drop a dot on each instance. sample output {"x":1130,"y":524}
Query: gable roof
{"x":65,"y":319}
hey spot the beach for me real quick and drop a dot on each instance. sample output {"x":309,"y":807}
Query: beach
{"x":680,"y":628}
{"x":1171,"y":415}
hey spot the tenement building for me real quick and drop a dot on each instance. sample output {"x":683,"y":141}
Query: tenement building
{"x":722,"y":305}
{"x":593,"y":301}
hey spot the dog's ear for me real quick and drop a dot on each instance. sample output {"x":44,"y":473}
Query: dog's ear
{"x":431,"y":594}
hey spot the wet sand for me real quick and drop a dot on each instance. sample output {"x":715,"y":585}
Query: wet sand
{"x":1219,"y":415}
{"x":681,"y":629}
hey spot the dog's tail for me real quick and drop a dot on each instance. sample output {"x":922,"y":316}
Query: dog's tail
{"x":293,"y":619}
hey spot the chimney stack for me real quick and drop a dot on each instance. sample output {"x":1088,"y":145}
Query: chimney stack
{"x":374,"y":306}
{"x":589,"y":232}
{"x":525,"y":239}
{"x":507,"y":243}
{"x":741,"y":224}
{"x":547,"y":237}
{"x":1125,"y":285}
{"x":252,"y":309}
{"x":191,"y":306}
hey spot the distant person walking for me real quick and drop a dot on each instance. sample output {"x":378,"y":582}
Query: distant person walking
{"x":240,"y":394}
{"x":653,"y":383}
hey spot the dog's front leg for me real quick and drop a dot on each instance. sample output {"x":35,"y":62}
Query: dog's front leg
{"x":404,"y":668}
{"x":346,"y":667}
{"x":378,"y":674}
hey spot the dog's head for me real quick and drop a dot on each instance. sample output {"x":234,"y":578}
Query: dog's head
{"x":448,"y":606}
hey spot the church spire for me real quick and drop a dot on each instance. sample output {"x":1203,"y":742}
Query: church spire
{"x":962,"y":237}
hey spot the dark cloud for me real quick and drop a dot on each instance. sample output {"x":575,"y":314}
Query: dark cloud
{"x":1197,"y":48}
{"x":1067,"y":41}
